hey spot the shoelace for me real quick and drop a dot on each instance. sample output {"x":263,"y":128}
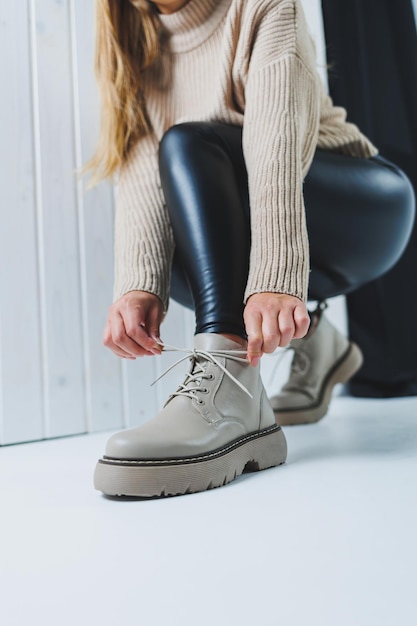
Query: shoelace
{"x":209,"y":355}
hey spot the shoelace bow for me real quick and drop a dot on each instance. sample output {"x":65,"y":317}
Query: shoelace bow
{"x":197,"y":376}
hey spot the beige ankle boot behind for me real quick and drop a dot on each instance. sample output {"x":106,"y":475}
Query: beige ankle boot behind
{"x":209,"y":430}
{"x":321,"y":360}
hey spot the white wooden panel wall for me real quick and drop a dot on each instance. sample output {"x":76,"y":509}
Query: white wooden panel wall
{"x":56,"y":262}
{"x":22,"y":402}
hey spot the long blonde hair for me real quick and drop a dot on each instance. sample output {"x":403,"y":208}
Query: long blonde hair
{"x":127,"y":42}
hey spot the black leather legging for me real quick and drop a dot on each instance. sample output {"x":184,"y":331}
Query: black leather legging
{"x":359,"y":217}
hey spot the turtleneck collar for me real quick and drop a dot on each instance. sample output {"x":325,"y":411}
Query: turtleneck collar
{"x":193,"y":24}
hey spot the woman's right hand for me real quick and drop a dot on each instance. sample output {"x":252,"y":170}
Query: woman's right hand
{"x":132,"y":327}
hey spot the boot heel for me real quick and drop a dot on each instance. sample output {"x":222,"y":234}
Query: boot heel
{"x":268,"y":451}
{"x":350,"y":365}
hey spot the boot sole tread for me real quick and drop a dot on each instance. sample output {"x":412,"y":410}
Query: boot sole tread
{"x":159,"y":477}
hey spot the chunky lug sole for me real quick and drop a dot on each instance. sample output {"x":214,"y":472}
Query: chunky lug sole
{"x":147,"y":478}
{"x":341,"y":372}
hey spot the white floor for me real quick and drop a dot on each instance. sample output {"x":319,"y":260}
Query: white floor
{"x":330,"y":538}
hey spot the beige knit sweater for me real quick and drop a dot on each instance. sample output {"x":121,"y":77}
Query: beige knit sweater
{"x":246,"y":62}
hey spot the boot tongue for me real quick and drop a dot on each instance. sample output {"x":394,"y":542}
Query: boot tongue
{"x":213,"y":341}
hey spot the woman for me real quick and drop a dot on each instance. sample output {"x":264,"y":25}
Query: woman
{"x":212,"y":114}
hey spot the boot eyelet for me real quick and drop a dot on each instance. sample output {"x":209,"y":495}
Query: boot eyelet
{"x":210,"y":377}
{"x":204,"y":390}
{"x":200,"y":402}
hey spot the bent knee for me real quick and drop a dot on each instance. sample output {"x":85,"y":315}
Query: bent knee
{"x":185,"y":137}
{"x":396,"y":192}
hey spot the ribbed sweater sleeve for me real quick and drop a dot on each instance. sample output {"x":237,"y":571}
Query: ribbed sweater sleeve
{"x":273,"y":142}
{"x":280,"y":125}
{"x":143,"y":241}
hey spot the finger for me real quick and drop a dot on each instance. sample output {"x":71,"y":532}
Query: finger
{"x":153,"y":325}
{"x":270,"y":332}
{"x":302,"y":322}
{"x":126,"y":355}
{"x":123,"y":355}
{"x":108,"y":342}
{"x":253,"y":327}
{"x":122,"y":340}
{"x":136,"y":330}
{"x":286,"y":326}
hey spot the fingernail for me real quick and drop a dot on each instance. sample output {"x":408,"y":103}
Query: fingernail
{"x":255,"y":361}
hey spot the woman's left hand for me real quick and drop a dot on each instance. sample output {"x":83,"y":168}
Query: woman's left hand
{"x":271,"y":321}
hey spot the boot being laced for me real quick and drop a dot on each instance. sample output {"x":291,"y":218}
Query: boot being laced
{"x":216,"y":423}
{"x":197,"y":372}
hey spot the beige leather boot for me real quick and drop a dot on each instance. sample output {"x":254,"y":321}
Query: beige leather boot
{"x":321,"y":359}
{"x":208,"y":432}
